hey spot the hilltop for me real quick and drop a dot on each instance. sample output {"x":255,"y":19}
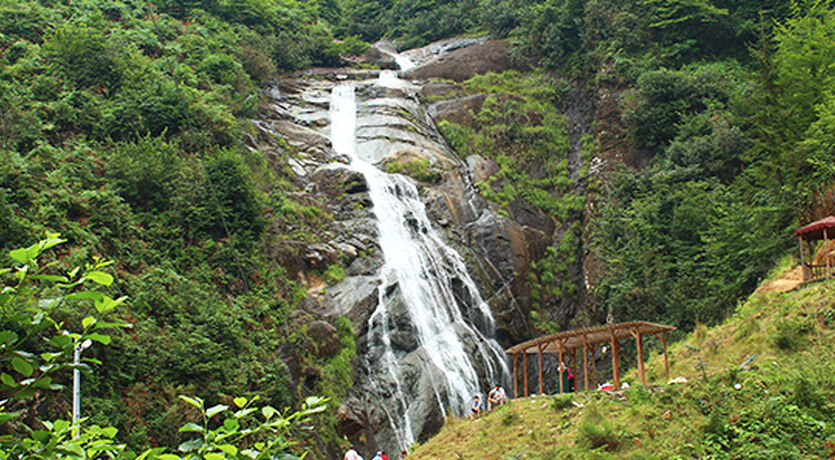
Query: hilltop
{"x":779,"y":406}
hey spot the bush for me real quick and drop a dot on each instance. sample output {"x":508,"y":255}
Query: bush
{"x":561,"y":402}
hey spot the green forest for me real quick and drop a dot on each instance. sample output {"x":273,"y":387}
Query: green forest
{"x":122,"y":153}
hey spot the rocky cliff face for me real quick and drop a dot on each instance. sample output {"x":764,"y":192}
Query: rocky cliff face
{"x":396,"y":132}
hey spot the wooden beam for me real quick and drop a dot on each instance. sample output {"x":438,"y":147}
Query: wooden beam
{"x":641,"y":371}
{"x":540,"y":370}
{"x":560,"y":372}
{"x":615,"y":366}
{"x":515,"y":378}
{"x":586,"y":362}
{"x":525,"y":366}
{"x":666,"y":359}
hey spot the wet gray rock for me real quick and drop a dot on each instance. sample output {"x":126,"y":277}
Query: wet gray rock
{"x":336,"y":180}
{"x":481,"y":168}
{"x":354,"y":297}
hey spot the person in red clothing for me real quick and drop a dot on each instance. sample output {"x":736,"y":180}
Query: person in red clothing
{"x":384,"y":456}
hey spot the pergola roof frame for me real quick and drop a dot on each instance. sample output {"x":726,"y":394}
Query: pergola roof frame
{"x":566,"y":344}
{"x":573,"y":339}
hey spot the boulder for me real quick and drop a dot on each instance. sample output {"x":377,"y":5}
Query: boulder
{"x":325,"y":337}
{"x":463,"y":63}
{"x":461,"y":110}
{"x":481,"y":168}
{"x":336,"y":180}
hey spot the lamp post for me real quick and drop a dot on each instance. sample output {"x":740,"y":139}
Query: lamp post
{"x":76,"y":383}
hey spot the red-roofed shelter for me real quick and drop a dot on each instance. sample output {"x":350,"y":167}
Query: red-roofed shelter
{"x":822,"y":229}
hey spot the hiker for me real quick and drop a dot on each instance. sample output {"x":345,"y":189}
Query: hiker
{"x":383,"y":455}
{"x":403,"y":454}
{"x":568,"y":378}
{"x":475,"y":409}
{"x":379,"y":456}
{"x":496,"y":397}
{"x":352,"y":455}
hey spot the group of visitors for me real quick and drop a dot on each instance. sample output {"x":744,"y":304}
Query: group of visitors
{"x":496,"y":397}
{"x":352,"y":454}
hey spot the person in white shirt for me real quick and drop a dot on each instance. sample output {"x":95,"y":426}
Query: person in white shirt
{"x":496,"y":397}
{"x":352,"y":455}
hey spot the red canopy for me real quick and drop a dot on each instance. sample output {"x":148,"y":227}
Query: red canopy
{"x":814,"y":231}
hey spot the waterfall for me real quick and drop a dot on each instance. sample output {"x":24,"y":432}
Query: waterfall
{"x":424,"y":280}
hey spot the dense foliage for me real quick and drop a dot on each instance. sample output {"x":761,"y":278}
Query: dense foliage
{"x":121,"y":127}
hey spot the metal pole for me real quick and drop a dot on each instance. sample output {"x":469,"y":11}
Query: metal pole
{"x":76,"y":389}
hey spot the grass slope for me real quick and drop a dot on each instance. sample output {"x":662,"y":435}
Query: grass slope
{"x":780,"y":407}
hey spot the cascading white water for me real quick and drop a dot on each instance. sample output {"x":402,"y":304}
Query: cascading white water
{"x":426,"y":272}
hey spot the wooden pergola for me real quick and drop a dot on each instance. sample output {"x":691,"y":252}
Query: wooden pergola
{"x":589,"y":339}
{"x":820,"y":230}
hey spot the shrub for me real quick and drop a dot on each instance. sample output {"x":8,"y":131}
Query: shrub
{"x":561,"y":402}
{"x":791,"y":334}
{"x":594,"y":431}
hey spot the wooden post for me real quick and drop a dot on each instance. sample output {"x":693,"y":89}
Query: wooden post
{"x":615,"y":367}
{"x":574,"y":365}
{"x":803,"y":268}
{"x":826,"y":251}
{"x":525,"y":365}
{"x":641,"y":370}
{"x":586,"y":362}
{"x":666,"y":359}
{"x":594,"y":366}
{"x":540,"y":370}
{"x":560,"y":373}
{"x":515,"y":378}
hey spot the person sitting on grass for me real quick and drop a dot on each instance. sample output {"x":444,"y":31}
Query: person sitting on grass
{"x":496,"y":397}
{"x":475,"y":409}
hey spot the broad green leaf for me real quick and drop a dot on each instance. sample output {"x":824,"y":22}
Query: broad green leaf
{"x":101,"y":338}
{"x":191,"y":428}
{"x":110,"y":431}
{"x":191,"y":445}
{"x":228,"y":449}
{"x":7,"y":337}
{"x":240,"y":402}
{"x":57,"y":278}
{"x":44,"y":382}
{"x":86,"y":295}
{"x":3,"y":271}
{"x":53,"y":240}
{"x":100,"y":277}
{"x":268,"y":412}
{"x":8,"y":380}
{"x":20,"y":255}
{"x":60,"y":426}
{"x":196,"y":402}
{"x":87,"y":322}
{"x":214,"y":456}
{"x":231,"y":425}
{"x":22,"y":366}
{"x":106,"y":304}
{"x":60,"y":341}
{"x":214,"y":410}
{"x":168,"y":457}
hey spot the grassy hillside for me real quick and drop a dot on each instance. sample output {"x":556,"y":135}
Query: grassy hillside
{"x":781,"y":406}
